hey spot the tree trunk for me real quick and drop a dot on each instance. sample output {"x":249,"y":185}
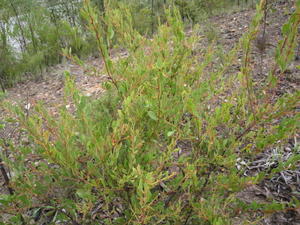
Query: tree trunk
{"x":152,"y":16}
{"x":24,"y":44}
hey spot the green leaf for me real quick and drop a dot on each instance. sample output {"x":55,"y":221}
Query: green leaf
{"x":11,"y":120}
{"x":36,"y":212}
{"x":282,"y":64}
{"x":152,"y":115}
{"x":170,"y":133}
{"x":111,"y":33}
{"x":286,"y":28}
{"x":83,"y":193}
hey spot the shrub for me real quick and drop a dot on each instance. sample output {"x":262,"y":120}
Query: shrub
{"x":160,"y":146}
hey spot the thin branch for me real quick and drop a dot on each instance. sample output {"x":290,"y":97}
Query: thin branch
{"x":6,"y":178}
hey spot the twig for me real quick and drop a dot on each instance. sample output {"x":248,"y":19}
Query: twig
{"x":6,"y":178}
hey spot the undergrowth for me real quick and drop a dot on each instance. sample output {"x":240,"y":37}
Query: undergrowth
{"x":161,"y":145}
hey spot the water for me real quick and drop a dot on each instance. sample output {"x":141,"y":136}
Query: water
{"x":12,"y":25}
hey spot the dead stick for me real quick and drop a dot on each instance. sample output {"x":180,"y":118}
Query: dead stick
{"x":6,"y":179}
